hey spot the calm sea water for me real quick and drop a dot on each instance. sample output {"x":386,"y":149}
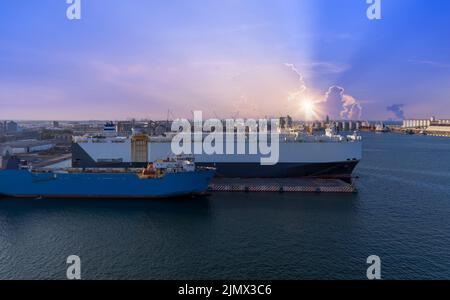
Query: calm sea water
{"x":401,"y":213}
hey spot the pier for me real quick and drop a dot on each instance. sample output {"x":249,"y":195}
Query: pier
{"x":281,"y":185}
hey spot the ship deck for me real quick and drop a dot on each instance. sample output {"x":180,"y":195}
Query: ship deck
{"x":281,"y":185}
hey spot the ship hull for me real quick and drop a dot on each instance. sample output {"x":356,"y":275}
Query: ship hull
{"x":283,"y":170}
{"x":24,"y":184}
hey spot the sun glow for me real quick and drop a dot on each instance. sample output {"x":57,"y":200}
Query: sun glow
{"x":309,"y":108}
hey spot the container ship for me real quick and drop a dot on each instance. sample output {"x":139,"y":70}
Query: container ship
{"x":323,"y":156}
{"x":172,"y":177}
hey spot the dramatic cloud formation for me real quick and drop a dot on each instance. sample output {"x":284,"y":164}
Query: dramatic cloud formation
{"x":352,"y":108}
{"x":335,"y":98}
{"x":397,"y":109}
{"x":335,"y":103}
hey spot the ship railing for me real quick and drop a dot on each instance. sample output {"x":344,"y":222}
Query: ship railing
{"x":87,"y":170}
{"x":284,"y":138}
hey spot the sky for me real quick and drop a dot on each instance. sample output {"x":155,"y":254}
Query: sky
{"x":230,"y":58}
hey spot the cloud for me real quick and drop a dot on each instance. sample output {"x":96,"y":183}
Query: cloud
{"x":338,"y":104}
{"x":324,"y":67}
{"x":431,"y":63}
{"x":397,"y":109}
{"x":352,"y":108}
{"x":336,"y":100}
{"x":301,"y":80}
{"x":327,"y":37}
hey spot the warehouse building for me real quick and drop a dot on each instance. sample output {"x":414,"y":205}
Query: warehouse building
{"x":424,"y":123}
{"x":25,"y":146}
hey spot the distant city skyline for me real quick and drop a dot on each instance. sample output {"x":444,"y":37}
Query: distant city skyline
{"x":249,"y":58}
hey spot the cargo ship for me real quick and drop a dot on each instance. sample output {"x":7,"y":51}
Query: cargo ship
{"x":171,"y":177}
{"x":324,"y":156}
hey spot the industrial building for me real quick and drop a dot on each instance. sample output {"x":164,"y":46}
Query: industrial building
{"x":24,"y":146}
{"x":9,"y":127}
{"x":424,"y":123}
{"x":417,"y":123}
{"x":442,"y":129}
{"x":430,"y":126}
{"x":124,"y":127}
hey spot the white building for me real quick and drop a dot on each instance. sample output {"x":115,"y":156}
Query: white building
{"x":431,"y":126}
{"x":25,"y":146}
{"x":442,"y":122}
{"x":417,"y":123}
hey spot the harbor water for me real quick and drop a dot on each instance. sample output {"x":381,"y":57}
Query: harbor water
{"x":401,"y":213}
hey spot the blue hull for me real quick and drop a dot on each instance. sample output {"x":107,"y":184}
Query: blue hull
{"x":24,"y":184}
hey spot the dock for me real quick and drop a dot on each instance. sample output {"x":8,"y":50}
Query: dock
{"x":281,"y":185}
